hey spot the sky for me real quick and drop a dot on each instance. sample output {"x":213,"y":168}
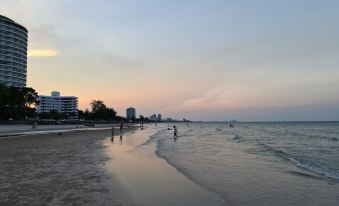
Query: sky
{"x":247,"y":60}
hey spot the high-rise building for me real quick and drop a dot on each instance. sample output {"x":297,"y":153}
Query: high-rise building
{"x":159,"y":118}
{"x":13,"y":53}
{"x":63,"y":104}
{"x":130,"y":113}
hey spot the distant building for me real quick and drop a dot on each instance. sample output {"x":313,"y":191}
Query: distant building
{"x":63,"y":104}
{"x":153,"y":117}
{"x":13,"y":53}
{"x":130,"y":113}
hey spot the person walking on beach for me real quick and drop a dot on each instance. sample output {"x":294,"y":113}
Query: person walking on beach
{"x":112,"y":138}
{"x":121,"y":127}
{"x":175,"y":132}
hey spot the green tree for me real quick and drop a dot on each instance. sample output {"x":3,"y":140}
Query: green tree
{"x":52,"y":115}
{"x":44,"y":115}
{"x":81,"y":114}
{"x":97,"y":106}
{"x":101,"y":111}
{"x":88,"y":115}
{"x":141,"y":117}
{"x":17,"y":103}
{"x":55,"y":115}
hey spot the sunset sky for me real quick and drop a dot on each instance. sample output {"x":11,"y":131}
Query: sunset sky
{"x":254,"y":60}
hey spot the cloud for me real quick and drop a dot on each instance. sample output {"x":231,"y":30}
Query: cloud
{"x":43,"y":53}
{"x":215,"y":100}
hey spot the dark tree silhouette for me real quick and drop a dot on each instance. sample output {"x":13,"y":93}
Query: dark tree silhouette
{"x":17,"y":103}
{"x":101,"y":112}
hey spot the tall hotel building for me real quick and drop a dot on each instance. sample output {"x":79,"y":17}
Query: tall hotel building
{"x":130,"y":113}
{"x":63,"y":104}
{"x":13,"y":53}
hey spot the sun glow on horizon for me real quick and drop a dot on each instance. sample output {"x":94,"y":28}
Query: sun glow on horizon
{"x":233,"y":62}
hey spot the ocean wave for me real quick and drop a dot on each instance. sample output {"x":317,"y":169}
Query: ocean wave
{"x":310,"y":166}
{"x":237,"y":138}
{"x":154,"y":138}
{"x":218,"y":129}
{"x":309,"y":136}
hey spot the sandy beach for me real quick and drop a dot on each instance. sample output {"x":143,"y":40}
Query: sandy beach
{"x":53,"y":169}
{"x":16,"y":130}
{"x":88,"y":168}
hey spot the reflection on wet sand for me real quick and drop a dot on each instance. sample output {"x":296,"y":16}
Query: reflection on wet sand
{"x":149,"y":179}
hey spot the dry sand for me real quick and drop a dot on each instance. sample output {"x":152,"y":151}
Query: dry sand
{"x":50,"y":169}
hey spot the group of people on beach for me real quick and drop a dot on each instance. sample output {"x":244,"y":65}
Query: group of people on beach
{"x":175,"y":131}
{"x":121,"y":128}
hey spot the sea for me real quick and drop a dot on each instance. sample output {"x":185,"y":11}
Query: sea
{"x":271,"y":163}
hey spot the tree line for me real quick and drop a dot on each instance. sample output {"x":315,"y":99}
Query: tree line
{"x":99,"y":111}
{"x":19,"y":104}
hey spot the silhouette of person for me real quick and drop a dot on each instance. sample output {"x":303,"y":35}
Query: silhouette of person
{"x":175,"y":132}
{"x":121,"y":127}
{"x":112,"y":138}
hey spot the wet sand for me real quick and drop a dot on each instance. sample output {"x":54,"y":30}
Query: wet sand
{"x":15,"y":130}
{"x":88,"y":168}
{"x":52,"y":169}
{"x":150,"y":180}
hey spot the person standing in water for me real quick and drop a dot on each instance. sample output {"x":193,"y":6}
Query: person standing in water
{"x":175,"y":132}
{"x":112,"y":138}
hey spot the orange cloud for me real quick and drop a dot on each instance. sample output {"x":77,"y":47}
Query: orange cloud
{"x":43,"y":53}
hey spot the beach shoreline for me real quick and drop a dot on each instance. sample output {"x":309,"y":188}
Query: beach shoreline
{"x":22,"y":130}
{"x":89,"y":167}
{"x":57,"y":169}
{"x":148,"y":178}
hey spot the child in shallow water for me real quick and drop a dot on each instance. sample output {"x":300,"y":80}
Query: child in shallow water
{"x":175,"y":132}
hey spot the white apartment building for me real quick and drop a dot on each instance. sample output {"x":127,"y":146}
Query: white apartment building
{"x":63,"y":104}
